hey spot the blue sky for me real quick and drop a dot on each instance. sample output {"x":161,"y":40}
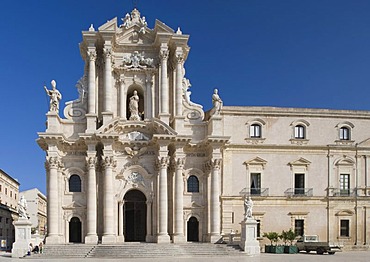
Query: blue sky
{"x":307,"y":53}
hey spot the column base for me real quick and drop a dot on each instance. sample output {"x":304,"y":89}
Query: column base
{"x":91,"y":239}
{"x":179,"y":238}
{"x":120,"y":239}
{"x":53,"y":239}
{"x":107,"y":116}
{"x":163,"y":239}
{"x":109,"y":239}
{"x":215,"y":238}
{"x":90,"y":123}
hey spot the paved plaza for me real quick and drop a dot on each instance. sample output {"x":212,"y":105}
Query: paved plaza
{"x":354,"y":256}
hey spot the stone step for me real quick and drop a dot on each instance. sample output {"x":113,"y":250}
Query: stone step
{"x":142,"y":250}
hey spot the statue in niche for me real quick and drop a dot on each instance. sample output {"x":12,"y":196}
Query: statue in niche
{"x":22,"y":208}
{"x":134,"y":106}
{"x":248,"y":207}
{"x":217,"y":103}
{"x":54,"y":95}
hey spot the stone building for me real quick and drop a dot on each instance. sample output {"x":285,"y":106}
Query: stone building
{"x":36,"y":209}
{"x":134,"y":159}
{"x":9,"y":194}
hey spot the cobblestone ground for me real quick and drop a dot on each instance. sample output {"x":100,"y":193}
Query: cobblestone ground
{"x":358,"y":256}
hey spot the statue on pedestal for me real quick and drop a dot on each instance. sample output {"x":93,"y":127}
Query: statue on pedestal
{"x":134,"y":106}
{"x":22,"y":208}
{"x":217,"y":103}
{"x":54,"y":95}
{"x":248,"y":207}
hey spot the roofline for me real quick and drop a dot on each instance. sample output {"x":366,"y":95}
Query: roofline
{"x":2,"y":171}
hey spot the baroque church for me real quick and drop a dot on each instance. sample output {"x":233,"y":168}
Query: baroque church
{"x":134,"y":159}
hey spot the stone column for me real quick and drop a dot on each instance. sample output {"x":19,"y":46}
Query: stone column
{"x":122,"y":98}
{"x":91,"y":236}
{"x":164,"y":112}
{"x":149,"y":236}
{"x":53,"y":220}
{"x":179,"y":75}
{"x":91,"y":91}
{"x":162,"y":236}
{"x":120,"y":238}
{"x":108,"y":231}
{"x":148,"y":110}
{"x":108,"y":80}
{"x":178,"y":235}
{"x":215,"y":200}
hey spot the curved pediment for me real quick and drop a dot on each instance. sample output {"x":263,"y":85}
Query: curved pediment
{"x":136,"y":130}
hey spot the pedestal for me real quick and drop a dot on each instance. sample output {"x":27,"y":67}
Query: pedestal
{"x":163,"y":239}
{"x":92,"y":239}
{"x":22,"y":237}
{"x":249,"y":243}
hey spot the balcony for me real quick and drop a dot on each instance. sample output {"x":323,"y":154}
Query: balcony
{"x":255,"y":191}
{"x":298,"y":192}
{"x":350,"y":192}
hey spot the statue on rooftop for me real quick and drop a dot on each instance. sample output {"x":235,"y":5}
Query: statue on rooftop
{"x":217,"y":103}
{"x":54,"y":95}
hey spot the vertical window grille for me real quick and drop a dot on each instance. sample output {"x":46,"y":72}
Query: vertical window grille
{"x":344,"y":228}
{"x":299,"y":227}
{"x":75,"y":183}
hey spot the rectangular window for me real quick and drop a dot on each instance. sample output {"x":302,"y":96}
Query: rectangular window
{"x":344,"y":228}
{"x":298,"y":227}
{"x":6,"y":191}
{"x":299,"y":132}
{"x":344,"y":133}
{"x":255,"y":184}
{"x":344,"y":184}
{"x":299,"y":184}
{"x":258,"y":228}
{"x":255,"y":131}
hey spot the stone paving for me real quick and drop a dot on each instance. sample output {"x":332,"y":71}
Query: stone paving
{"x":353,"y":256}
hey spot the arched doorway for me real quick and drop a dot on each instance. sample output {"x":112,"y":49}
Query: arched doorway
{"x":193,"y":229}
{"x":135,"y":216}
{"x":75,"y":230}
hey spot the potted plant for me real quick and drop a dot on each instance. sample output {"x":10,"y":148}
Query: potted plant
{"x":289,"y":236}
{"x":274,"y":238}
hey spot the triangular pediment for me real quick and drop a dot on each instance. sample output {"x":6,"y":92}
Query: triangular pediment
{"x":161,"y":27}
{"x":300,"y":162}
{"x":256,"y":161}
{"x":133,"y":35}
{"x":365,"y":143}
{"x":109,"y":26}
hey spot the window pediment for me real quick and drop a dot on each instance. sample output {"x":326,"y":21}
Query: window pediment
{"x":256,"y":161}
{"x":300,"y":162}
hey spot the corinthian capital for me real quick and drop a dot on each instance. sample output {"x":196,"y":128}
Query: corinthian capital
{"x":163,"y":54}
{"x":178,"y":163}
{"x":179,"y":58}
{"x":91,"y":162}
{"x":163,"y":162}
{"x":52,"y":162}
{"x":108,"y":161}
{"x":92,"y":55}
{"x":213,"y":164}
{"x":107,"y":52}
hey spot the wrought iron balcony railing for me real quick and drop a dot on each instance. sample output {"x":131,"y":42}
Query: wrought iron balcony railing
{"x":344,"y":192}
{"x":255,"y":191}
{"x":291,"y":192}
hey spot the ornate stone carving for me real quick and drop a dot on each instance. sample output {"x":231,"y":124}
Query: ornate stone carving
{"x":137,"y":60}
{"x":213,"y":164}
{"x":76,"y":109}
{"x":164,"y":53}
{"x":54,"y":95}
{"x":178,"y":163}
{"x":107,"y":52}
{"x":134,"y":19}
{"x":52,"y":162}
{"x":91,"y":162}
{"x":109,"y":162}
{"x":162,"y":162}
{"x":217,"y":103}
{"x":92,"y":55}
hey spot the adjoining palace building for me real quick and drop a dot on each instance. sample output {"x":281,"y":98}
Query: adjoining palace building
{"x":134,"y":159}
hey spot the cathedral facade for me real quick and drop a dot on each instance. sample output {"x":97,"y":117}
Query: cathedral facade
{"x":134,"y":159}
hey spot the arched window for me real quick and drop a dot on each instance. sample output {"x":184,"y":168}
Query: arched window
{"x":255,"y":131}
{"x":75,"y":183}
{"x":193,"y":184}
{"x":299,"y":132}
{"x":344,"y":133}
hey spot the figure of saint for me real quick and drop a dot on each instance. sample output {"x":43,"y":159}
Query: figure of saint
{"x":22,"y":208}
{"x":248,"y":207}
{"x":134,"y":106}
{"x":217,"y":102}
{"x":54,"y":95}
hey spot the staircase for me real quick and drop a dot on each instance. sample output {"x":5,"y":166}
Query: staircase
{"x":138,"y":250}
